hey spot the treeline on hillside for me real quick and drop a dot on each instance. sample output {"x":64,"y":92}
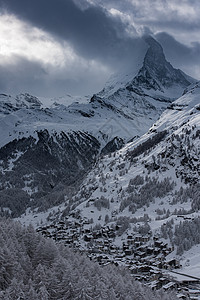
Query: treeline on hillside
{"x":148,"y":144}
{"x":191,"y":193}
{"x":15,"y":201}
{"x":141,"y":191}
{"x":35,"y":268}
{"x":185,"y":234}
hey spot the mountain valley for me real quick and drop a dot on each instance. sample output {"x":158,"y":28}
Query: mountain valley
{"x":115,"y":177}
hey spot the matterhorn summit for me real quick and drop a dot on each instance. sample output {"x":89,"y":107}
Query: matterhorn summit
{"x":155,"y":78}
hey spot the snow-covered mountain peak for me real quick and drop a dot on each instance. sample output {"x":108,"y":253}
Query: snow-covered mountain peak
{"x":158,"y":75}
{"x":104,"y":124}
{"x":127,"y":107}
{"x":10,"y":103}
{"x":151,"y":75}
{"x":64,"y":101}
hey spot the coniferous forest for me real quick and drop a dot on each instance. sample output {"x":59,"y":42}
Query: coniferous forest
{"x":32,"y":267}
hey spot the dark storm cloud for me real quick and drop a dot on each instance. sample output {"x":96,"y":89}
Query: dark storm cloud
{"x":174,"y":15}
{"x":97,"y":36}
{"x":23,"y":75}
{"x":180,"y":55}
{"x":179,"y":19}
{"x":173,"y":48}
{"x":92,"y":32}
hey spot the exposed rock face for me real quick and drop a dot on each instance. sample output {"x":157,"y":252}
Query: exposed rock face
{"x":156,"y":73}
{"x":38,"y":166}
{"x":112,"y":146}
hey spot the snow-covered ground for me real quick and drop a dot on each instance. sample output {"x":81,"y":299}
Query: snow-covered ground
{"x":111,"y":176}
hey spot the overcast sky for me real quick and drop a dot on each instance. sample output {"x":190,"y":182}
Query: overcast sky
{"x":54,"y":47}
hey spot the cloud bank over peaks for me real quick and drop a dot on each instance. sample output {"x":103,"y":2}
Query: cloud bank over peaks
{"x":73,"y":46}
{"x":93,"y":32}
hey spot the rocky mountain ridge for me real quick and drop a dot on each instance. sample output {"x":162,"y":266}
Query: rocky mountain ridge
{"x":46,"y":148}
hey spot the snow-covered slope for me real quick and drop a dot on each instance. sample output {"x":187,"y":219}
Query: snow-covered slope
{"x":158,"y":171}
{"x":127,"y":106}
{"x":39,"y":136}
{"x":102,"y":119}
{"x":140,"y":206}
{"x":170,"y":148}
